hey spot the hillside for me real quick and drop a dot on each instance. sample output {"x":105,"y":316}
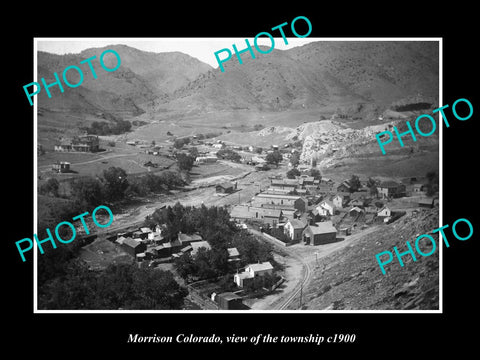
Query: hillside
{"x":141,"y":78}
{"x":351,"y":77}
{"x":351,"y":278}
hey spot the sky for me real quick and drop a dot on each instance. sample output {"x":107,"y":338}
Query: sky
{"x":201,"y":48}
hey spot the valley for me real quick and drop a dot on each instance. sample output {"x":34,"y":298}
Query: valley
{"x":324,"y":101}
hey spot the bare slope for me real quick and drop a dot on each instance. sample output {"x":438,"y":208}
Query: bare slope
{"x":357,"y":77}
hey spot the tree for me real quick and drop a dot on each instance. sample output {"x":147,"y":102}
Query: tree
{"x":355,"y":183}
{"x":171,"y":179}
{"x":293,"y":173}
{"x":316,"y":174}
{"x":432,"y":185}
{"x":228,"y":154}
{"x":372,"y":185}
{"x":185,"y":266}
{"x":274,"y":157}
{"x":193,"y":151}
{"x":50,"y":187}
{"x":87,"y":191}
{"x":116,"y":183}
{"x":178,"y":143}
{"x":295,"y":158}
{"x":118,"y":286}
{"x":203,"y":263}
{"x":185,"y":162}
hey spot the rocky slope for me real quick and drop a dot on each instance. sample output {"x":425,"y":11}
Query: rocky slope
{"x":351,"y":278}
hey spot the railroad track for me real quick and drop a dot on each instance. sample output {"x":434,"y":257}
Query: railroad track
{"x":307,"y":273}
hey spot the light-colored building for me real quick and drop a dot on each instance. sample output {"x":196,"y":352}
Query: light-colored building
{"x":289,"y":201}
{"x":253,"y":271}
{"x":384,"y":212}
{"x":325,"y":208}
{"x":337,"y":201}
{"x":294,"y":228}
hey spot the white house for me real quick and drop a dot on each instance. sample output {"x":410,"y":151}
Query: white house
{"x":326,"y":207}
{"x":252,"y":271}
{"x":293,"y":229}
{"x":337,"y":201}
{"x":384,"y":212}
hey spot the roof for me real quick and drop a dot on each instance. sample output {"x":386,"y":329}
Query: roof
{"x":389,"y":184}
{"x":199,"y":244}
{"x":270,"y":212}
{"x":289,"y":182}
{"x":428,"y":201}
{"x":145,"y":230}
{"x":261,"y":267}
{"x":279,"y":196}
{"x":383,"y":207}
{"x":233,"y":252}
{"x":175,"y":242}
{"x":225,"y":185}
{"x":189,"y":237}
{"x":131,"y":242}
{"x":296,"y":224}
{"x":324,"y":227}
{"x":356,"y":209}
{"x":120,"y":240}
{"x":229,"y":296}
{"x":327,"y":202}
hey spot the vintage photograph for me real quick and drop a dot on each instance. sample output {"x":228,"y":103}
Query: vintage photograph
{"x":259,"y":188}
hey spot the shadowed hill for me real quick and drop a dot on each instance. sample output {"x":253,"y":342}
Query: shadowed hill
{"x":355,"y":76}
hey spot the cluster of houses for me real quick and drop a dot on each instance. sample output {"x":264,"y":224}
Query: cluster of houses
{"x":145,"y":244}
{"x":314,"y":211}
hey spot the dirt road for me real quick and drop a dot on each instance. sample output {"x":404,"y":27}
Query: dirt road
{"x":300,"y":264}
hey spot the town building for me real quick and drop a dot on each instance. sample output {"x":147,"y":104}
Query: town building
{"x":85,"y":143}
{"x":325,"y":208}
{"x":337,"y":201}
{"x":233,"y":254}
{"x":281,"y":200}
{"x":344,"y":187}
{"x":225,"y":188}
{"x":61,"y":167}
{"x":319,"y":234}
{"x":384,"y":212}
{"x":229,"y":301}
{"x":293,"y":229}
{"x":426,"y":203}
{"x":206,"y":159}
{"x":133,"y":247}
{"x":252,"y":272}
{"x":187,"y":239}
{"x":246,"y":212}
{"x":288,"y":185}
{"x":391,"y":189}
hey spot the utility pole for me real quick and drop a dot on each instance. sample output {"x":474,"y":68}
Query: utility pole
{"x":301,"y":291}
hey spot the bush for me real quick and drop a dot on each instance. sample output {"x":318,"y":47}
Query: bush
{"x":228,"y":154}
{"x":106,"y":128}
